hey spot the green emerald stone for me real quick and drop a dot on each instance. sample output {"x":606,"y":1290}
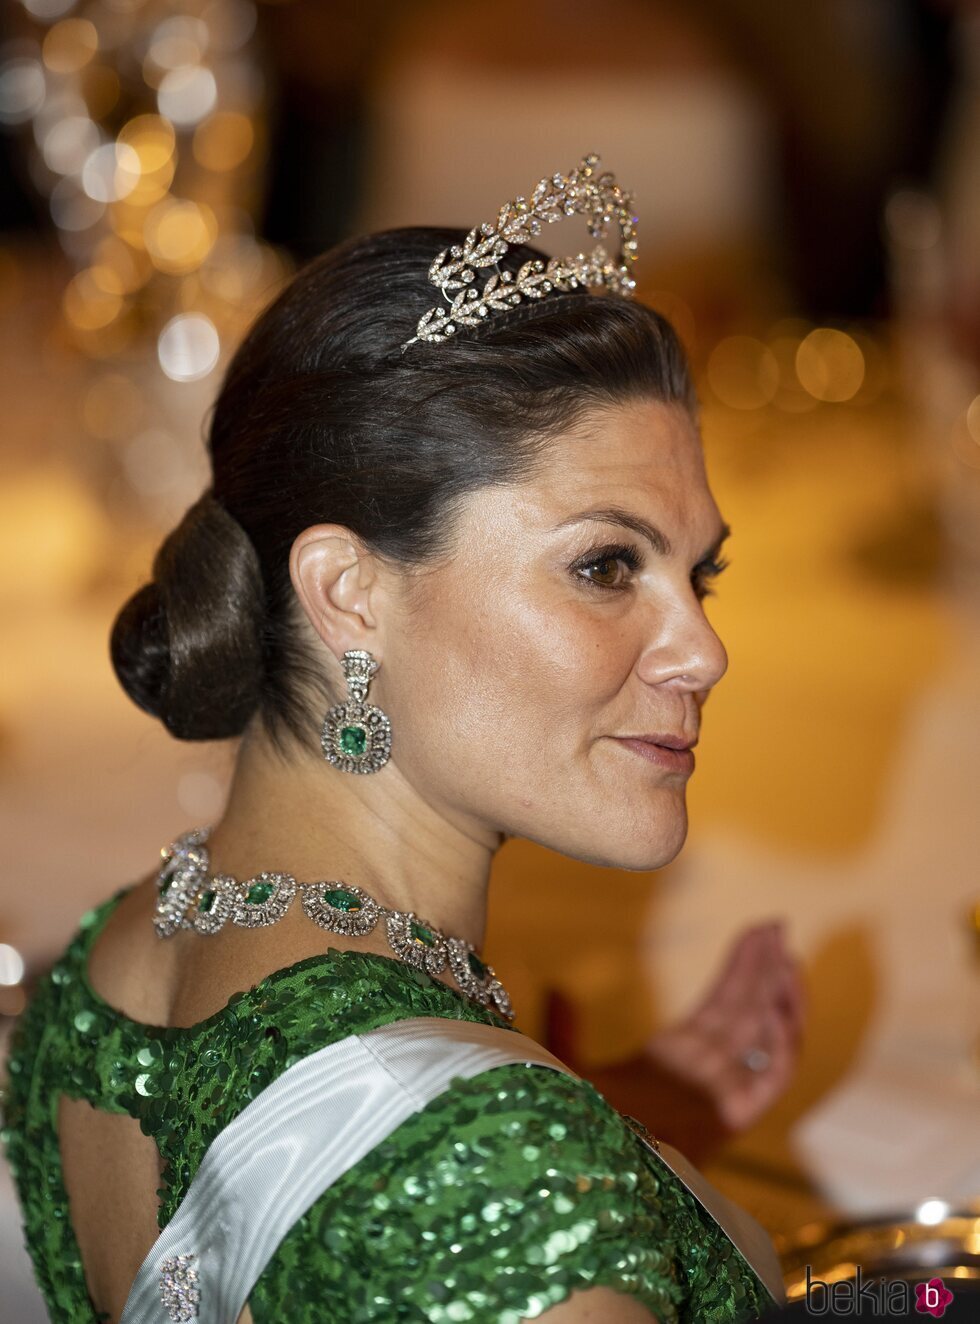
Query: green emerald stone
{"x":259,"y":893}
{"x":476,"y":965}
{"x":206,"y":902}
{"x":342,"y":900}
{"x":353,"y":740}
{"x":423,"y":935}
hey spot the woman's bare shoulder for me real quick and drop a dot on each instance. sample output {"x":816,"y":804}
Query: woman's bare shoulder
{"x":128,"y":966}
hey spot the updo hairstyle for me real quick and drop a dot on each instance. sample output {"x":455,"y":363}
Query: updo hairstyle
{"x":322,"y":418}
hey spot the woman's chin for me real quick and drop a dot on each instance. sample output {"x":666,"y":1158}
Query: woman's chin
{"x":654,"y":855}
{"x":642,"y":836}
{"x":639,"y":846}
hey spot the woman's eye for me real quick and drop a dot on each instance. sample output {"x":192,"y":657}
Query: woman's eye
{"x":613,"y":567}
{"x":601,"y":569}
{"x":702,"y":576}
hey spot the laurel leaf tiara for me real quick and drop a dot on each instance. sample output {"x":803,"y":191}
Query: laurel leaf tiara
{"x":584,"y":191}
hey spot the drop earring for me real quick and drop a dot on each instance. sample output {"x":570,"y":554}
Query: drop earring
{"x":356,"y":736}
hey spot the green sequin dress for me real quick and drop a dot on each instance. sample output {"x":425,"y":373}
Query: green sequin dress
{"x":498,"y":1199}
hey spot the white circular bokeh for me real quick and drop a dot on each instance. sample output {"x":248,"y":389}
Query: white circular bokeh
{"x":188,"y":347}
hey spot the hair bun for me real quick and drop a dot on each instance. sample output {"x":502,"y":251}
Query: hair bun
{"x":187,"y":647}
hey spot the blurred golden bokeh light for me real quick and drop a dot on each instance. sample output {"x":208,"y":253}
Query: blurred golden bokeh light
{"x":130,"y":193}
{"x":155,"y":144}
{"x":791,"y":397}
{"x":93,"y":299}
{"x":743,"y":373}
{"x":179,"y":234}
{"x":111,"y":172}
{"x":241,"y":271}
{"x":131,"y":266}
{"x":127,"y":219}
{"x":830,"y":365}
{"x":223,"y":141}
{"x":49,"y":510}
{"x":70,"y":45}
{"x":153,"y":140}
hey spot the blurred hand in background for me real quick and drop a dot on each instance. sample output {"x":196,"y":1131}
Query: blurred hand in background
{"x":722,"y":1067}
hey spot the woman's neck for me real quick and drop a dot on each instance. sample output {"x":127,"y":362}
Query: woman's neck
{"x":378,"y":832}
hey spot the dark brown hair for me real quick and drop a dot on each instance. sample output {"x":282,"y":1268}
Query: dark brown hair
{"x":322,"y":418}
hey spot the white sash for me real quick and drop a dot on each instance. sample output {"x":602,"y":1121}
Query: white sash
{"x":313,"y":1123}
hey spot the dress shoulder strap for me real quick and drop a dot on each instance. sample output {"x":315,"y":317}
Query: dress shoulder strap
{"x":298,"y":1136}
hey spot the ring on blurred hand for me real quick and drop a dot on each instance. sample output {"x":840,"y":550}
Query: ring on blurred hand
{"x":756,"y":1059}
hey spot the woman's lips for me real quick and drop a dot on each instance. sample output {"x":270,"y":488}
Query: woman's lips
{"x":674,"y":760}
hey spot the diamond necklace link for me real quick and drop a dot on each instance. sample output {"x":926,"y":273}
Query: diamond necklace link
{"x":189,"y":896}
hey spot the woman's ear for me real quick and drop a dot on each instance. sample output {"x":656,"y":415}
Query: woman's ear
{"x":338,"y":585}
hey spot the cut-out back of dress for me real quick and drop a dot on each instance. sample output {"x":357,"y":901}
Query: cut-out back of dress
{"x":532,"y":1164}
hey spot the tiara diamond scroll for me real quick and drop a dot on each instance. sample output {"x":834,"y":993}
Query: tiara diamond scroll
{"x":356,"y":736}
{"x":583,"y":191}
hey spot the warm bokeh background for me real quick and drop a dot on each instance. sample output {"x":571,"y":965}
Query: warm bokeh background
{"x":808,"y":185}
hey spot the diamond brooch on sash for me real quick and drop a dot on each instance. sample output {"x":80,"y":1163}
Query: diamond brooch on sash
{"x":179,"y":1290}
{"x":189,"y":896}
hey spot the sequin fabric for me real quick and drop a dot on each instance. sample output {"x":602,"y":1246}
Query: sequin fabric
{"x":500,"y":1198}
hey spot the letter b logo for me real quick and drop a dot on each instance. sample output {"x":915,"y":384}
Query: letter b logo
{"x":932,"y":1298}
{"x":817,"y":1303}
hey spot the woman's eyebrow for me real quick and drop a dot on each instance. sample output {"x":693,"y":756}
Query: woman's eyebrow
{"x":630,"y":520}
{"x":618,"y":515}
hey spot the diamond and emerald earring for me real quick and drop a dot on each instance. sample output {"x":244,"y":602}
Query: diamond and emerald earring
{"x":356,"y":736}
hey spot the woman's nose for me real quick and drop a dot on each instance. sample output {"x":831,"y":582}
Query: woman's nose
{"x":686,"y":652}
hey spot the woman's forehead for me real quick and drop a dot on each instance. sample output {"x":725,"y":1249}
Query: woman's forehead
{"x":643,"y":459}
{"x":638,"y":430}
{"x":643,"y":452}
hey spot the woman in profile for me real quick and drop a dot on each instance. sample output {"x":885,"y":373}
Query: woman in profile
{"x":447,"y":585}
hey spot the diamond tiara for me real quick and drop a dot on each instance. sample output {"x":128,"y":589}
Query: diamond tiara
{"x":584,"y":191}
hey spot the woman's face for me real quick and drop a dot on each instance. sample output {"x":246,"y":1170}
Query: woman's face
{"x":554,"y":634}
